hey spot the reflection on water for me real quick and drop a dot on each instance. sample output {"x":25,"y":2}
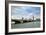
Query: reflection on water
{"x":26,"y":25}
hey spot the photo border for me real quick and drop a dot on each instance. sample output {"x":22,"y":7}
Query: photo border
{"x":25,"y":29}
{"x":23,"y":2}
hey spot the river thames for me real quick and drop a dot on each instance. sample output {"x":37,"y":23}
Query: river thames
{"x":26,"y":25}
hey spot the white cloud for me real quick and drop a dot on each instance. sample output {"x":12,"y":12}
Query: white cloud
{"x":24,"y":16}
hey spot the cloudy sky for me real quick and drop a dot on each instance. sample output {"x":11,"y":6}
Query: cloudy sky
{"x":25,"y":11}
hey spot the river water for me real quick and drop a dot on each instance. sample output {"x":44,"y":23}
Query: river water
{"x":26,"y":25}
